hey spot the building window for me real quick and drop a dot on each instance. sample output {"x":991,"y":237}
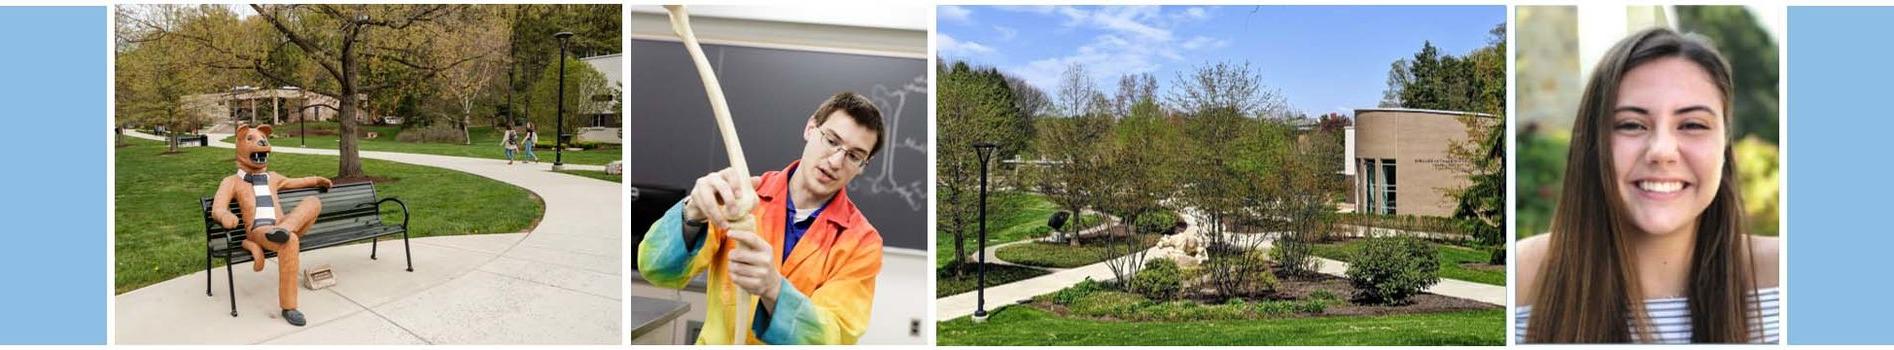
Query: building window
{"x":1369,"y":200}
{"x":1387,"y":173}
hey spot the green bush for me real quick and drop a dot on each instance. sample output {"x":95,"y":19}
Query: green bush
{"x":1389,"y":270}
{"x":1158,"y":222}
{"x":1296,"y":255}
{"x":1324,"y":296}
{"x":1161,"y":279}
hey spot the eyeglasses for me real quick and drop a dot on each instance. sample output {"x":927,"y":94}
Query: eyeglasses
{"x":854,"y":157}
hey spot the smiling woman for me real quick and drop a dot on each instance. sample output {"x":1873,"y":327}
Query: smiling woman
{"x":1650,"y":229}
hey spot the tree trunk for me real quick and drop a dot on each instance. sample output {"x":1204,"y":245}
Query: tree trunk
{"x":350,"y":166}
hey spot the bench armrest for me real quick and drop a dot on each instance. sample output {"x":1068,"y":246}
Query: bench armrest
{"x":404,"y":209}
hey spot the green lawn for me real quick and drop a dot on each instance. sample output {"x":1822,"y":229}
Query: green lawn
{"x":947,"y":283}
{"x":1451,"y":258}
{"x":1062,"y":255}
{"x":1014,"y":216}
{"x":1027,"y":325}
{"x":486,"y":144}
{"x":596,"y":174}
{"x":160,"y":227}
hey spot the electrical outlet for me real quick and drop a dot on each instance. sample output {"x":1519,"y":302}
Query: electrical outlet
{"x":914,"y":327}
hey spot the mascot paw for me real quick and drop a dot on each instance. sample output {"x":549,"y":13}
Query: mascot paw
{"x":255,"y":251}
{"x":278,"y":235}
{"x":294,"y":317}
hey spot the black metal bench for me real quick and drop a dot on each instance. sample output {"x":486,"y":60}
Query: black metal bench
{"x":200,"y":140}
{"x":350,"y":213}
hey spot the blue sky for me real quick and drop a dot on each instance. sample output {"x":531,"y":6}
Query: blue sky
{"x":1323,"y":58}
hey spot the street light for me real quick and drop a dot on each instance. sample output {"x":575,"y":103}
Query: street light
{"x":985,"y":150}
{"x":559,"y":142}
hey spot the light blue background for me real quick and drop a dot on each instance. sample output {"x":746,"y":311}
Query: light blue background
{"x":1841,"y":115}
{"x":53,"y":286}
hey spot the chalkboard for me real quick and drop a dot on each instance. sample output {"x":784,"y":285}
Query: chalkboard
{"x":772,"y":93}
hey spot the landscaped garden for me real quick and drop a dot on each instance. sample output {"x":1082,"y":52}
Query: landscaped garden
{"x":1220,"y":202}
{"x":160,"y":225}
{"x":1165,"y":304}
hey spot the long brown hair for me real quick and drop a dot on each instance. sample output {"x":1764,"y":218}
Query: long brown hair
{"x":1588,"y":288}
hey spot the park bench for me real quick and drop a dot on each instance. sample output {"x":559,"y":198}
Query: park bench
{"x":200,"y":140}
{"x":350,"y":213}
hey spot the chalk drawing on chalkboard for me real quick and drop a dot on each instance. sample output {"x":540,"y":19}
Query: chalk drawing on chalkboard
{"x":886,"y":181}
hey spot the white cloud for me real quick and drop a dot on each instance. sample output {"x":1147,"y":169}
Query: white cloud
{"x":955,"y":14}
{"x":1127,"y":40}
{"x":1203,"y":42}
{"x":950,"y":47}
{"x":1006,"y":33}
{"x":1039,"y":9}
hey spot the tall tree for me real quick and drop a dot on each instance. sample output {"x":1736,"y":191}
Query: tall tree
{"x":340,"y":40}
{"x":973,"y":104}
{"x":483,"y":41}
{"x":1235,"y":87}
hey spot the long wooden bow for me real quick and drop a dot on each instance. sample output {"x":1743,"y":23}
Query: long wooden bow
{"x":746,"y":194}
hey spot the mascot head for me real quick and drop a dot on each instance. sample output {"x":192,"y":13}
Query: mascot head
{"x":253,"y":148}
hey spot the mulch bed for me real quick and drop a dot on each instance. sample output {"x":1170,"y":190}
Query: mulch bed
{"x":1300,"y":288}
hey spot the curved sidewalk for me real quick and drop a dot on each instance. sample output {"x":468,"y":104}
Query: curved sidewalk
{"x":558,"y":284}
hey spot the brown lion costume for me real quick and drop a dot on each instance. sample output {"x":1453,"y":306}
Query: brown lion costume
{"x":254,"y":188}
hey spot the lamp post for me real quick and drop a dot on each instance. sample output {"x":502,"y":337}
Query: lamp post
{"x":559,"y":142}
{"x":985,"y":150}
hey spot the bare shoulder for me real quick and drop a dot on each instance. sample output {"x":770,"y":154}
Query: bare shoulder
{"x":1766,"y":252}
{"x":1529,"y":255}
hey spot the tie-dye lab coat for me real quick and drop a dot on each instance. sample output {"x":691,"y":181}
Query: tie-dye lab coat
{"x":829,"y":280}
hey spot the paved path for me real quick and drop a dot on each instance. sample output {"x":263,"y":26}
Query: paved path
{"x":992,"y":252}
{"x":960,"y":305}
{"x":963,"y":304}
{"x":558,"y":284}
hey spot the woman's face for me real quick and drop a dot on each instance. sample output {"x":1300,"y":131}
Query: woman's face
{"x":1667,"y":142}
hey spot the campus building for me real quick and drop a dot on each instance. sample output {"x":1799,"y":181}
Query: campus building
{"x":270,"y":106}
{"x":1398,"y":160}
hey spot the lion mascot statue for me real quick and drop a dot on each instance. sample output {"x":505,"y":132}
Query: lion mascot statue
{"x":267,"y":227}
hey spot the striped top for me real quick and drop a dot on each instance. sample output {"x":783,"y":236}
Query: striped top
{"x":1671,"y":318}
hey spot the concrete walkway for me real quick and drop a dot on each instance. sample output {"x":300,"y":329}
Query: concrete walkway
{"x":960,"y":305}
{"x":558,"y":284}
{"x":992,"y":252}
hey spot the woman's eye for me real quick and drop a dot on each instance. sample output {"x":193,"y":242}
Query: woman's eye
{"x":1696,"y":126}
{"x":1629,"y":127}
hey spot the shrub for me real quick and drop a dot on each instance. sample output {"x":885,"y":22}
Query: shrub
{"x":1237,"y":273}
{"x":1497,"y":257}
{"x":1389,"y":270}
{"x":1296,"y":254}
{"x":1324,"y":296}
{"x":438,"y":133}
{"x":1158,"y":222}
{"x":1161,"y":279}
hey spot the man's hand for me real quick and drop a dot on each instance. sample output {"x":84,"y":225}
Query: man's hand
{"x":713,"y":198}
{"x":751,"y":267}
